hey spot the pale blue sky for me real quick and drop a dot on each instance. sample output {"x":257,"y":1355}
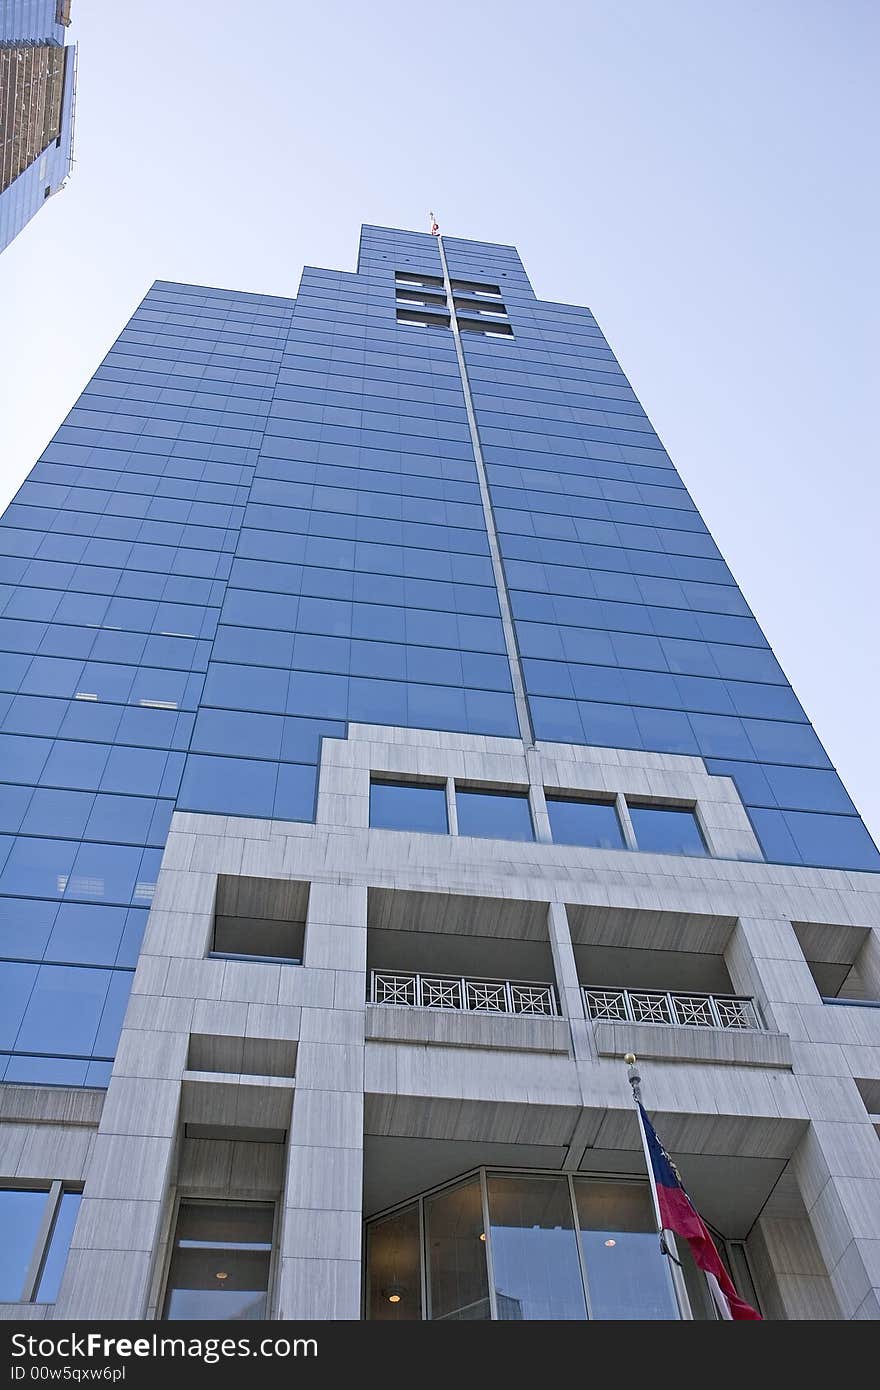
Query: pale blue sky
{"x":702,"y":174}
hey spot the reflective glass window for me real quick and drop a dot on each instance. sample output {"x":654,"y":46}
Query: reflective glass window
{"x":220,"y":1261}
{"x":574,"y":821}
{"x":458,"y":1286}
{"x":20,"y":1215}
{"x":394,"y":1268}
{"x":534,"y":1250}
{"x":666,"y":830}
{"x":408,"y":806}
{"x":494,"y":815}
{"x":628,"y":1277}
{"x":59,"y":1246}
{"x":64,"y":1010}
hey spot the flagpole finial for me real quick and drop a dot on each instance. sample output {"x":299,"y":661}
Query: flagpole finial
{"x":634,"y":1079}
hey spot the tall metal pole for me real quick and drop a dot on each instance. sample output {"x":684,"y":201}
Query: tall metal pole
{"x":667,"y":1239}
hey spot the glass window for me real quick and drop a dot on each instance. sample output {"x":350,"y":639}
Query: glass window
{"x":534,"y":1250}
{"x":627,"y":1275}
{"x":667,"y":830}
{"x":494,"y":815}
{"x":59,"y":1245}
{"x":20,"y":1216}
{"x":454,"y":1230}
{"x":577,"y":822}
{"x":394,"y":1268}
{"x":220,"y":1261}
{"x":408,"y":806}
{"x":64,"y":1010}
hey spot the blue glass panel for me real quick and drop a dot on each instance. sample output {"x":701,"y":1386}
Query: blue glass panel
{"x":25,"y":927}
{"x":408,"y":806}
{"x":295,"y":792}
{"x":494,"y":815}
{"x":59,"y":1245}
{"x":231,"y":786}
{"x":64,"y":1010}
{"x":20,"y":1215}
{"x":577,"y":822}
{"x":666,"y":830}
{"x":86,"y":934}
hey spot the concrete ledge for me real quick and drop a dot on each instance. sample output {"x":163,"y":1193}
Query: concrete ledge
{"x":727,"y":1046}
{"x":51,"y":1105}
{"x":449,"y":1028}
{"x":26,"y":1312}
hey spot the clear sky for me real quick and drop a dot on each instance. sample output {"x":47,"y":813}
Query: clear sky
{"x":701,"y":174}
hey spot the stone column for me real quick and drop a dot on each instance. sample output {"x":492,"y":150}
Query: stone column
{"x":320,"y":1255}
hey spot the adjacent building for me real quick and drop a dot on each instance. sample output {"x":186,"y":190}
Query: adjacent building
{"x":389,"y":751}
{"x":37,"y":82}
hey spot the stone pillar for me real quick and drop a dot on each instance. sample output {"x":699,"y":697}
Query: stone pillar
{"x":320,"y":1254}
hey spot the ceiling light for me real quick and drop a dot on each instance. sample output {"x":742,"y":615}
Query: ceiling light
{"x":394,"y":1293}
{"x":609,"y":1243}
{"x":221,"y":1275}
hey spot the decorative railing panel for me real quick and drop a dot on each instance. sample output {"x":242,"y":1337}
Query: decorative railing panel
{"x":462,"y":992}
{"x":682,"y":1010}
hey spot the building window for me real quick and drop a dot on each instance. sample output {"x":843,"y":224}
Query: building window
{"x":577,"y":821}
{"x":220,"y":1261}
{"x":455,"y":1230}
{"x":490,"y":329}
{"x":37,"y":1227}
{"x":421,"y":319}
{"x":628,"y":1277}
{"x":415,"y":806}
{"x":494,"y":815}
{"x":394,"y":1268}
{"x":560,"y":1248}
{"x":666,"y":830}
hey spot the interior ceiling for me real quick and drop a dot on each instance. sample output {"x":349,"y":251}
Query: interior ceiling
{"x":592,"y":925}
{"x":728,"y":1191}
{"x":396,"y":909}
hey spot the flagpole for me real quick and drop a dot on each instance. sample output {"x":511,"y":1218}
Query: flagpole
{"x":667,"y":1239}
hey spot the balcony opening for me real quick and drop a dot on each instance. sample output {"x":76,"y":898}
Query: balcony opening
{"x":681,"y":979}
{"x":841,"y":958}
{"x":260,"y":919}
{"x":445,"y":951}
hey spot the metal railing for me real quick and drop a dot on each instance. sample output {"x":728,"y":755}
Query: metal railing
{"x":682,"y":1010}
{"x":462,"y":992}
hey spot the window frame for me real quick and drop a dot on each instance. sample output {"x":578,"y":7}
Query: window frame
{"x":199,"y":1196}
{"x":481,"y":1175}
{"x":53,"y":1193}
{"x":402,"y":782}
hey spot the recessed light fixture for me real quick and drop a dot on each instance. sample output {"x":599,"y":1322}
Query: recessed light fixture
{"x":610,"y":1243}
{"x":221,"y":1275}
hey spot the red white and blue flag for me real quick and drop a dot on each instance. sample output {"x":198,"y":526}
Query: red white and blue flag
{"x":678,"y":1214}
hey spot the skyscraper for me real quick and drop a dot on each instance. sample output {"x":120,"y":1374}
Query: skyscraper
{"x":376,"y":694}
{"x":37,"y":80}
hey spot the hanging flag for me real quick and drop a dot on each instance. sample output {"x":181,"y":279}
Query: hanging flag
{"x":435,"y":226}
{"x":678,"y":1214}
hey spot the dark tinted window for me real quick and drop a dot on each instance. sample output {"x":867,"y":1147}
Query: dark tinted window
{"x":408,"y":806}
{"x":496,"y":815}
{"x":667,"y":830}
{"x":576,"y":822}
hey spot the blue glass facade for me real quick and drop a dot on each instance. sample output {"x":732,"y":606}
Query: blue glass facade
{"x":262,"y":519}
